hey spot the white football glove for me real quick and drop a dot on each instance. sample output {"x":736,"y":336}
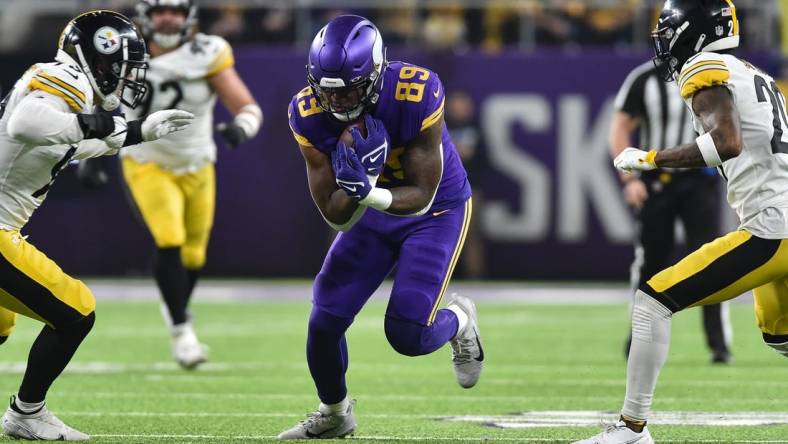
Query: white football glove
{"x":635,"y":159}
{"x":161,"y":123}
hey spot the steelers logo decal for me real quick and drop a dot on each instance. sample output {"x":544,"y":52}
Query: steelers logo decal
{"x":106,"y":40}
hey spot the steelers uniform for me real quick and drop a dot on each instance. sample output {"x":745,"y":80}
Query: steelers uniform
{"x":172,"y":179}
{"x":30,"y":283}
{"x":756,"y":255}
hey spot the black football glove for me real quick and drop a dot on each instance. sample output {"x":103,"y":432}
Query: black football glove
{"x":233,"y":134}
{"x":91,"y":174}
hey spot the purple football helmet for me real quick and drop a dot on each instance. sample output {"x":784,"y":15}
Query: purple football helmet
{"x":346,"y":60}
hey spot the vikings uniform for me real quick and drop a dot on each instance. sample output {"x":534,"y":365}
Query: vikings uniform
{"x":756,"y":255}
{"x":172,"y":179}
{"x":33,"y":284}
{"x":426,"y":248}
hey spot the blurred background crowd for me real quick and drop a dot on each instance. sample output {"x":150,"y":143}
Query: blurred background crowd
{"x":490,"y":25}
{"x":530,"y":87}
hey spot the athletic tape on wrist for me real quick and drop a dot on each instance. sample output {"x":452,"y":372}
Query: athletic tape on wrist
{"x":651,"y":157}
{"x":250,"y":118}
{"x":378,"y":198}
{"x":708,"y":150}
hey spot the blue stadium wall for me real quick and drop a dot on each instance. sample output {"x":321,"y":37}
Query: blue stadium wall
{"x":551,"y":209}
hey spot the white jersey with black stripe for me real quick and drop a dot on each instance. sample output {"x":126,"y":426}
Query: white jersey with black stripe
{"x":664,"y":121}
{"x":757,"y":179}
{"x":179,"y":79}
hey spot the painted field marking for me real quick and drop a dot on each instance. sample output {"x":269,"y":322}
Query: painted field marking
{"x":173,"y":372}
{"x":538,"y":419}
{"x":521,"y":420}
{"x":355,"y":438}
{"x":227,"y":415}
{"x":375,"y":397}
{"x":396,"y":438}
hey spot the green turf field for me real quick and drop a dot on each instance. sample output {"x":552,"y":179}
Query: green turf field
{"x":122,"y":386}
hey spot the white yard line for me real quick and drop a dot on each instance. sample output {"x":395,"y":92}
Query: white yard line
{"x":526,"y":398}
{"x":173,"y":372}
{"x":229,"y":415}
{"x":393,"y":438}
{"x":521,"y":420}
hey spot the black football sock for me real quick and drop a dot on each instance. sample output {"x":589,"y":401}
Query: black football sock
{"x":49,"y":355}
{"x":173,"y":282}
{"x":192,"y":276}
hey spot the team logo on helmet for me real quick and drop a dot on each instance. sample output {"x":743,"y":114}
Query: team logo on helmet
{"x":107,"y":40}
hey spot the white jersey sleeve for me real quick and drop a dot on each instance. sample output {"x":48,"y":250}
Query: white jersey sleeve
{"x":43,"y":119}
{"x":28,"y":167}
{"x":179,"y":79}
{"x":90,"y":148}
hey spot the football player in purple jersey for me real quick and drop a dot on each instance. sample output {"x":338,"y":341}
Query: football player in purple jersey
{"x":399,"y":196}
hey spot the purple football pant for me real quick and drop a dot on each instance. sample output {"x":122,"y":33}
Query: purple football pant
{"x":424,"y":250}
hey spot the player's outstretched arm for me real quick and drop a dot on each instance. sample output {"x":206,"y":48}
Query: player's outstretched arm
{"x":236,"y":97}
{"x":43,"y":119}
{"x":422,"y":163}
{"x":717,"y":112}
{"x":337,"y":208}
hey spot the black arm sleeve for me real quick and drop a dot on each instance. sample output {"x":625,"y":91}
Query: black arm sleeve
{"x":133,"y":133}
{"x":96,"y":126}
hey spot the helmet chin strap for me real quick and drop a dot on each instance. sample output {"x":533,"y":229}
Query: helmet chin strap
{"x":109,"y":102}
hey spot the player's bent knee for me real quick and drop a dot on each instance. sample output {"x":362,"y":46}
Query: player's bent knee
{"x":82,"y":299}
{"x":193,"y":258}
{"x":405,"y":337}
{"x":84,"y":326}
{"x":778,"y":342}
{"x":650,"y":319}
{"x":324,"y":324}
{"x":648,"y":295}
{"x":81,"y":327}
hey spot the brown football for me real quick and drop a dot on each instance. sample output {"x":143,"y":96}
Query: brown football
{"x":347,"y":138}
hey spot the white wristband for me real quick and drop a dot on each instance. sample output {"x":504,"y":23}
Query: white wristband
{"x":378,"y":198}
{"x":708,"y":150}
{"x":250,"y":118}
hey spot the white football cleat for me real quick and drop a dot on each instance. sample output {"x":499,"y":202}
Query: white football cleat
{"x":619,"y":433}
{"x":467,"y":353}
{"x":321,"y":426}
{"x":41,"y":425}
{"x":187,"y":350}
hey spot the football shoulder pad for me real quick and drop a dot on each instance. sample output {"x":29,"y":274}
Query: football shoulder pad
{"x":64,"y":81}
{"x":703,"y":70}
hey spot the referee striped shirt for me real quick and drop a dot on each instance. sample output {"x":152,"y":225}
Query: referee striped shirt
{"x":665,"y":121}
